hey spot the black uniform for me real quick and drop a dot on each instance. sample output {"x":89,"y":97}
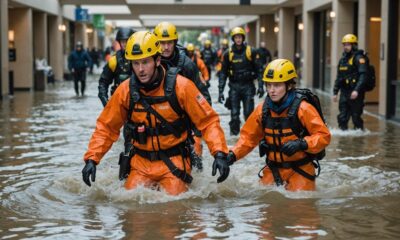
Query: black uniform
{"x":209,"y":57}
{"x":265,"y":56}
{"x":79,"y":61}
{"x":352,"y":70}
{"x":241,"y":72}
{"x":116,"y":70}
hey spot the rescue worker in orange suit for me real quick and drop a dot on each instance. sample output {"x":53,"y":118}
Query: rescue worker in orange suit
{"x":350,"y":81}
{"x":241,"y":64}
{"x":156,"y":103}
{"x":204,"y":77}
{"x":117,"y":68}
{"x":289,"y":158}
{"x":209,"y":55}
{"x":220,"y":52}
{"x":174,"y":55}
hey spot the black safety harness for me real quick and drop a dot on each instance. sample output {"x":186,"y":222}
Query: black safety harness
{"x":291,"y":121}
{"x":140,"y":131}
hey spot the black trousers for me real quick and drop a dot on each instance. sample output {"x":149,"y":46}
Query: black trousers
{"x":350,"y":108}
{"x":80,"y":76}
{"x":240,"y":92}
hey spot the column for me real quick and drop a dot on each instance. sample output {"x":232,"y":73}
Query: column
{"x":342,"y":24}
{"x":308,"y":43}
{"x":56,"y":59}
{"x":4,"y":48}
{"x":20,"y":21}
{"x":286,"y":33}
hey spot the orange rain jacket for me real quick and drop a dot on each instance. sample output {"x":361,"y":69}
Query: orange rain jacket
{"x":143,"y":171}
{"x":252,"y":133}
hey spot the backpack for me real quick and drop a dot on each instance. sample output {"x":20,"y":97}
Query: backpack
{"x":298,"y":129}
{"x":370,"y":77}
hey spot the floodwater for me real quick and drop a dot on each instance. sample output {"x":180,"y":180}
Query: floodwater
{"x":44,"y":136}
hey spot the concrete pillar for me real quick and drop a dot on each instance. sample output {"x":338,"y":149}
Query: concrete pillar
{"x":308,"y":44}
{"x":95,"y":42}
{"x":20,"y":21}
{"x":40,"y":35}
{"x":384,"y":63}
{"x":342,"y":24}
{"x":286,"y":33}
{"x":56,"y":59}
{"x":268,"y":36}
{"x":80,"y":34}
{"x":257,"y":33}
{"x":362,"y":24}
{"x":4,"y":48}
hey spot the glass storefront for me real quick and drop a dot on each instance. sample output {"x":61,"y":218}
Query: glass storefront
{"x":322,"y":53}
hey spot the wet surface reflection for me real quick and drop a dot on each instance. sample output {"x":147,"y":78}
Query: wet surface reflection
{"x":44,"y":136}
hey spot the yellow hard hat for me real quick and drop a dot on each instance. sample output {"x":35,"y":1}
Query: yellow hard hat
{"x":349,"y":38}
{"x":142,"y":44}
{"x":225,"y":41}
{"x":190,"y":47}
{"x":279,"y":70}
{"x":238,"y":30}
{"x":166,"y":31}
{"x":207,"y":42}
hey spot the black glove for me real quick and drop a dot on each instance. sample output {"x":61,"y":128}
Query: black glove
{"x":260,"y":92}
{"x":263,"y":148}
{"x":89,"y":169}
{"x":294,"y":146}
{"x":231,"y":158}
{"x":221,"y":98}
{"x":221,"y":163}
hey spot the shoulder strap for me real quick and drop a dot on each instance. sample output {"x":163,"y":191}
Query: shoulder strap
{"x":169,"y":90}
{"x":134,"y":94}
{"x":293,"y":110}
{"x":230,"y":52}
{"x":265,"y":113}
{"x":248,"y":53}
{"x":112,"y":63}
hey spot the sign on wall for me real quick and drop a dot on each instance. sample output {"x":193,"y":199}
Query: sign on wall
{"x":81,"y":15}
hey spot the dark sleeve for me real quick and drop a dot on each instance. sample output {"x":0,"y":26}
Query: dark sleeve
{"x":362,"y":67}
{"x":88,"y":59}
{"x":258,"y":66}
{"x":106,"y":78}
{"x":224,"y":71}
{"x":268,"y":56}
{"x":336,"y":86}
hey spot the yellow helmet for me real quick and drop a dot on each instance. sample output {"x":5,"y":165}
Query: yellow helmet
{"x":238,"y":30}
{"x":207,"y":42}
{"x":349,"y":38}
{"x":166,"y":31}
{"x":142,"y":44}
{"x":190,"y":47}
{"x":224,"y":41}
{"x":279,"y":70}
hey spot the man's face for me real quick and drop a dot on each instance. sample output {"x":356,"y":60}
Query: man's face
{"x":167,"y":48}
{"x":347,"y":47}
{"x":122,"y":43}
{"x":238,"y":39}
{"x":276,"y":91}
{"x":145,"y":68}
{"x":190,"y":53}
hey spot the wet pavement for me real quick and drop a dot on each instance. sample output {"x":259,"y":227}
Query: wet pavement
{"x":45,"y":134}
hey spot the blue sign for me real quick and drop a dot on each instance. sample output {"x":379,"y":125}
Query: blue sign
{"x":81,"y":15}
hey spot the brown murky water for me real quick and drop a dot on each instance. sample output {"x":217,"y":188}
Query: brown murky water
{"x":43,"y":138}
